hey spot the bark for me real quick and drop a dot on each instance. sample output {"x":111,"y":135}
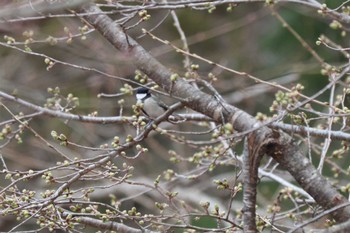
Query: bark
{"x":287,"y":153}
{"x":111,"y":226}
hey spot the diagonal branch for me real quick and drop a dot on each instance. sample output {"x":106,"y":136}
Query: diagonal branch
{"x":278,"y":144}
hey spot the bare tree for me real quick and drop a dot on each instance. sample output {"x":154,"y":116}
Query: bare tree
{"x":255,"y":137}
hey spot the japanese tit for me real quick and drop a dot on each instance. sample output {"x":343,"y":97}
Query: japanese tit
{"x":152,"y":107}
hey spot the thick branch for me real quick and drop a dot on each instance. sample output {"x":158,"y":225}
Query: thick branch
{"x":250,"y":179}
{"x":254,"y":149}
{"x":112,"y":226}
{"x":287,"y":153}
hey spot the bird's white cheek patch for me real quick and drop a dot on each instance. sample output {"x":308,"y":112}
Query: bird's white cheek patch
{"x":140,"y":96}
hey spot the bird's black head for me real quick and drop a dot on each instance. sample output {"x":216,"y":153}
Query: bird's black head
{"x":142,"y":90}
{"x":142,"y":93}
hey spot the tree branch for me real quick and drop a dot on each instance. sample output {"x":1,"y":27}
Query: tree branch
{"x":111,"y":226}
{"x":82,"y":118}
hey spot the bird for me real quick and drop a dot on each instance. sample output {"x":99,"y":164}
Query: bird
{"x":152,"y":107}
